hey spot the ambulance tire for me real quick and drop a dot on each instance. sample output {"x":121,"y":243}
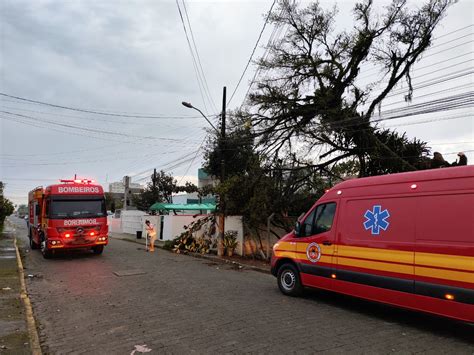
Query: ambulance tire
{"x":33,"y":244}
{"x":47,"y":254}
{"x":98,"y":249}
{"x":288,"y":279}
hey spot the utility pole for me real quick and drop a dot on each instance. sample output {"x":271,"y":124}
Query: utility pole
{"x":221,"y":223}
{"x":126,"y":183}
{"x":222,"y":148}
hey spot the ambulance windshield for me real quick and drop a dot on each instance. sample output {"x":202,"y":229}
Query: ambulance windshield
{"x":76,"y":208}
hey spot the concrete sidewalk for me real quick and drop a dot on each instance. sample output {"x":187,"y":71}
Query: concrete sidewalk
{"x":236,"y":261}
{"x":13,"y":327}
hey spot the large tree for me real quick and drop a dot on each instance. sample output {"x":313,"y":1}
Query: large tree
{"x":309,"y":103}
{"x":254,"y":189}
{"x":159,"y":189}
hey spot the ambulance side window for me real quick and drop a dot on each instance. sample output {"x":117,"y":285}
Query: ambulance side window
{"x":324,"y":217}
{"x":307,"y":226}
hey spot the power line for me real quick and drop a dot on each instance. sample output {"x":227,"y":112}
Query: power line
{"x":189,"y":167}
{"x":89,"y":111}
{"x":417,"y":69}
{"x":443,"y":43}
{"x":208,"y":93}
{"x":165,"y":164}
{"x":275,"y":35}
{"x":90,"y":129}
{"x":196,"y":68}
{"x":97,"y":119}
{"x":178,"y":164}
{"x":89,"y":135}
{"x":253,"y":51}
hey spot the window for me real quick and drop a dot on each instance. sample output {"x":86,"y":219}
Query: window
{"x":324,"y":218}
{"x":77,"y":208}
{"x":307,"y":226}
{"x":47,"y":207}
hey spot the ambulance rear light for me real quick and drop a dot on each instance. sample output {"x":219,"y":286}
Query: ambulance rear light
{"x":449,"y":297}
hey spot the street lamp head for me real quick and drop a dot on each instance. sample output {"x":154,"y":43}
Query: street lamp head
{"x":187,"y":104}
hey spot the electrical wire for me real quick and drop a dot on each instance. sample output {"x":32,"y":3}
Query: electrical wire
{"x":196,"y":68}
{"x":253,"y":52}
{"x":90,"y":129}
{"x":92,"y":111}
{"x":206,"y":86}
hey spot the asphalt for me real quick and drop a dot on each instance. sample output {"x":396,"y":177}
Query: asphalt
{"x":14,"y":336}
{"x":235,"y":261}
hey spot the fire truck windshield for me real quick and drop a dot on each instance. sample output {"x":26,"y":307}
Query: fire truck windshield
{"x":76,"y":208}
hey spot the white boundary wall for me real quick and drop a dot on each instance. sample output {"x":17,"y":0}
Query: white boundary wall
{"x":115,"y":224}
{"x":132,"y":221}
{"x":173,"y":225}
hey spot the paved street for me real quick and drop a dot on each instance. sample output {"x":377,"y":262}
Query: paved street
{"x":180,"y":304}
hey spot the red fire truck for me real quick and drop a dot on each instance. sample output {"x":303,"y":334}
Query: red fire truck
{"x":68,"y":215}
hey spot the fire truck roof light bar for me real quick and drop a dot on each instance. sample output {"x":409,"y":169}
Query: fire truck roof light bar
{"x":78,"y":181}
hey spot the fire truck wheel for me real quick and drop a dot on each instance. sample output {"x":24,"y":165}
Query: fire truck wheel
{"x":98,"y":249}
{"x":288,"y":279}
{"x":33,"y":244}
{"x":44,"y":248}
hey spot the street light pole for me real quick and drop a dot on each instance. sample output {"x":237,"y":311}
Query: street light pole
{"x":221,"y":223}
{"x":188,"y":105}
{"x":221,"y":135}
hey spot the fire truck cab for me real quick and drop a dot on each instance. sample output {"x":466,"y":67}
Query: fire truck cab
{"x":68,"y":215}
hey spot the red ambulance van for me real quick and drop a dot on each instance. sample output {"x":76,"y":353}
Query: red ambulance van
{"x":403,"y":239}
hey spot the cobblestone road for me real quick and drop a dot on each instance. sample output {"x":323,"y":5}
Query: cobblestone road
{"x":187,"y":305}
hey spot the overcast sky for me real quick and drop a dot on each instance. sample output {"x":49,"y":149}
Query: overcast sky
{"x":131,"y":58}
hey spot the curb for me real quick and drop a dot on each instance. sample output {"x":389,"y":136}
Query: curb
{"x":30,"y":319}
{"x":206,"y":256}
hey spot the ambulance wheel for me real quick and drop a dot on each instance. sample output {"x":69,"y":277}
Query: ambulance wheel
{"x":288,"y":279}
{"x":33,"y":244}
{"x":98,"y":249}
{"x":44,"y":249}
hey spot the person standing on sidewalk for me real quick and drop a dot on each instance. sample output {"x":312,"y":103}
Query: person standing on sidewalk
{"x":151,"y":235}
